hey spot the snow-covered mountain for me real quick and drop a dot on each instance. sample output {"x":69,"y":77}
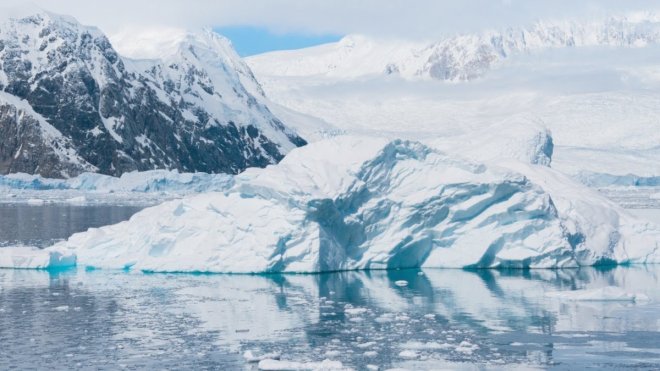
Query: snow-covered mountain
{"x":457,"y":58}
{"x":460,"y":174}
{"x":70,"y":103}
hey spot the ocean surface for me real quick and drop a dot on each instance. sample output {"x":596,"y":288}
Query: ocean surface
{"x":451,"y":319}
{"x":412,"y":319}
{"x":42,"y":224}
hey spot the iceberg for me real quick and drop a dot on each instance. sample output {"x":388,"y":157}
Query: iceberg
{"x":32,"y":257}
{"x":351,"y":203}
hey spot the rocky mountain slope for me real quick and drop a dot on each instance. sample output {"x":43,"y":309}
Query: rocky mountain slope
{"x":70,"y":103}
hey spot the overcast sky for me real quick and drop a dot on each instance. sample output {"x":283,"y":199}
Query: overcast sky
{"x":402,"y":18}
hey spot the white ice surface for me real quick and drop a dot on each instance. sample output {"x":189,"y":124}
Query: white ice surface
{"x":597,"y":95}
{"x":325,"y":365}
{"x":363,"y":203}
{"x":31,"y":257}
{"x":609,"y":293}
{"x":456,"y":58}
{"x":144,"y":181}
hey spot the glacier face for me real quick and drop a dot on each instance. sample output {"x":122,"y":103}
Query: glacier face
{"x":136,"y":181}
{"x":70,"y":104}
{"x":368,"y":203}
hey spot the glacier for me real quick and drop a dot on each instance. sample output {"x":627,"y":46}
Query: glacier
{"x":591,"y":82}
{"x":135,"y":181}
{"x":357,"y":202}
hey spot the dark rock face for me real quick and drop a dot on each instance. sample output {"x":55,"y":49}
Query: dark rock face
{"x":24,"y":147}
{"x":188,"y":113}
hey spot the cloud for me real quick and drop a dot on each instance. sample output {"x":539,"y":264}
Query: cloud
{"x":387,"y":18}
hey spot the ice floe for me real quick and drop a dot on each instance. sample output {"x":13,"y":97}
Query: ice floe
{"x":609,"y":293}
{"x":325,"y":365}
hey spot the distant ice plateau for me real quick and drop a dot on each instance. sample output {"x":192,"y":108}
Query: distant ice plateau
{"x":594,"y":84}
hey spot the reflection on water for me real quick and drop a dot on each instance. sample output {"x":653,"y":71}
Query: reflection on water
{"x":442,"y":318}
{"x":42,"y":225}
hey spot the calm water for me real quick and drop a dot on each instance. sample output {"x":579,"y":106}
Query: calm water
{"x":443,"y":318}
{"x":42,"y":225}
{"x":449,"y":319}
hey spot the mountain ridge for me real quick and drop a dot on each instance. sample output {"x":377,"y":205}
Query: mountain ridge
{"x":455,"y":58}
{"x":198,"y":110}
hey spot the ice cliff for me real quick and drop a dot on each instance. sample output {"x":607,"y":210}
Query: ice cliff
{"x":135,"y":181}
{"x":370,"y":203}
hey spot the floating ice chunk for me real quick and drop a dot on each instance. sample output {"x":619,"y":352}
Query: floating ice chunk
{"x":251,"y":357}
{"x":354,"y":311}
{"x":402,"y":318}
{"x":33,"y":258}
{"x":272,"y":364}
{"x":62,"y":308}
{"x":408,"y":354}
{"x":35,"y":201}
{"x":609,"y":293}
{"x":418,"y":345}
{"x":466,"y":347}
{"x":77,"y":200}
{"x":384,"y":318}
